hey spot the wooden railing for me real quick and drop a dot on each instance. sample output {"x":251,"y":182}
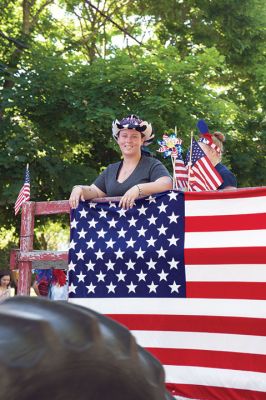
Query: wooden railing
{"x":23,"y":257}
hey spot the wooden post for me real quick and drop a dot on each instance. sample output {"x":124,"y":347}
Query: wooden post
{"x":26,"y":244}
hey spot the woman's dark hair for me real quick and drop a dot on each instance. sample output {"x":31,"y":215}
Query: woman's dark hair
{"x":5,"y":273}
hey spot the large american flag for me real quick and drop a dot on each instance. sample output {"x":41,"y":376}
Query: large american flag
{"x":201,"y":173}
{"x":186,"y":273}
{"x":24,"y":193}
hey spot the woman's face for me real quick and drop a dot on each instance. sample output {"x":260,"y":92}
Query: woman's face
{"x":130,"y":141}
{"x":210,"y":153}
{"x":5,"y":281}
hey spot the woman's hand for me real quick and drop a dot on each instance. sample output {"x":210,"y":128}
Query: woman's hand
{"x":76,"y":196}
{"x":128,"y":200}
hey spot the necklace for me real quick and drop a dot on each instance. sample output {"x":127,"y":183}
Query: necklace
{"x":125,"y":172}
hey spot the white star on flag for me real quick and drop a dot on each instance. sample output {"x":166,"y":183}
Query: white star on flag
{"x":121,"y":276}
{"x":152,"y":287}
{"x":71,"y":266}
{"x":111,"y":288}
{"x":92,"y":223}
{"x":161,"y":252}
{"x":152,"y":220}
{"x":110,"y":265}
{"x":162,"y":208}
{"x":141,"y":231}
{"x":122,"y":212}
{"x":110,"y":243}
{"x":173,"y":241}
{"x":82,"y":234}
{"x":90,"y":244}
{"x":119,"y":254}
{"x":83,"y":213}
{"x":173,"y":263}
{"x":130,"y":243}
{"x":162,"y":230}
{"x":73,"y":223}
{"x":72,"y":245}
{"x":99,"y":254}
{"x":101,"y":276}
{"x":141,"y":276}
{"x":112,"y":223}
{"x":132,"y":222}
{"x":72,"y":288}
{"x":91,"y":288}
{"x":151,"y":264}
{"x":140,"y":253}
{"x":131,"y":287}
{"x":81,"y":277}
{"x":174,"y":287}
{"x":142,"y":210}
{"x":80,"y":255}
{"x":130,"y":265}
{"x":173,"y":217}
{"x":90,"y":266}
{"x":121,"y":233}
{"x":101,"y":233}
{"x":151,"y":241}
{"x":163,"y":275}
{"x":172,"y":196}
{"x":102,"y":214}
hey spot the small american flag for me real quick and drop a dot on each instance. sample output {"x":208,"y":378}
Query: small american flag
{"x":180,"y":173}
{"x":24,"y":194}
{"x":202,"y":174}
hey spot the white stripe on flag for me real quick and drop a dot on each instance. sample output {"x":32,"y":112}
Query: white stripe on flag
{"x":237,"y":206}
{"x":180,"y":306}
{"x":202,"y":240}
{"x":216,"y":377}
{"x":226,"y":273}
{"x":248,"y":344}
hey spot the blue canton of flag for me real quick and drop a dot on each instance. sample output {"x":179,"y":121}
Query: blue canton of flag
{"x":128,"y":253}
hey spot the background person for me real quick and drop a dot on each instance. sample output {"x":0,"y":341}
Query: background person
{"x":213,"y":147}
{"x":135,"y":176}
{"x":5,"y":280}
{"x":51,"y":283}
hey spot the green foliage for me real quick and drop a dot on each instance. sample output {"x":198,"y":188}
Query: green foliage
{"x":64,"y":81}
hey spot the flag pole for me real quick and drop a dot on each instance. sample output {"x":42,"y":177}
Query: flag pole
{"x":189,"y":164}
{"x":173,"y":165}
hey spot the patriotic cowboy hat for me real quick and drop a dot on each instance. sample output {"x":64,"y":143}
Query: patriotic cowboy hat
{"x":133,"y":122}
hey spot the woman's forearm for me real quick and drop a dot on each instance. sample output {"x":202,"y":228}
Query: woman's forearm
{"x":161,"y":185}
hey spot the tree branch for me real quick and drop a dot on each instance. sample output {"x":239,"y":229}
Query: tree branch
{"x":113,"y":22}
{"x":16,"y":42}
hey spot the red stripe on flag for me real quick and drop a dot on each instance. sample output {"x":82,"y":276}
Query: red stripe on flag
{"x":227,"y":194}
{"x":211,"y":359}
{"x":213,"y":392}
{"x":225,"y":223}
{"x":193,"y":323}
{"x":223,"y":255}
{"x":227,"y":290}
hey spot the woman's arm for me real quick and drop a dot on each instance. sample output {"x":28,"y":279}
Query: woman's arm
{"x":83,"y":193}
{"x":228,"y":188}
{"x":36,"y":289}
{"x":145,"y":189}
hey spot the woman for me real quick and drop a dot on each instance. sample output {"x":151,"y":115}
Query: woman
{"x":212,"y":145}
{"x":5,"y":280}
{"x":51,"y":283}
{"x":135,"y":176}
